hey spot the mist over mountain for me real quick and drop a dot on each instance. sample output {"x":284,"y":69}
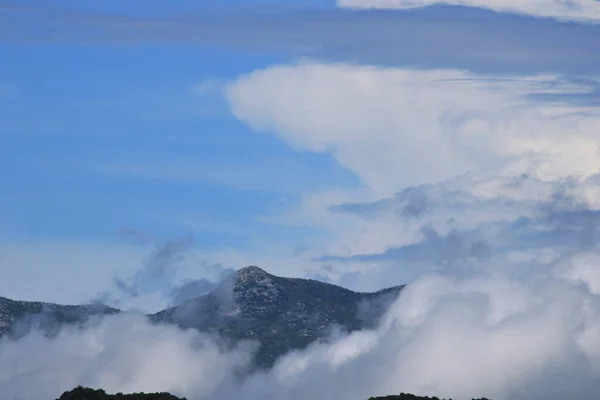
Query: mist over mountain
{"x":18,"y":318}
{"x":281,"y":314}
{"x":450,"y":337}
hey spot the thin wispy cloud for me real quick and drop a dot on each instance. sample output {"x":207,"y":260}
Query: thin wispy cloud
{"x":576,"y":10}
{"x":416,"y":37}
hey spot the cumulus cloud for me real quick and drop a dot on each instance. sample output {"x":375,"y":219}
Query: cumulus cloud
{"x":438,"y":151}
{"x":512,"y":330}
{"x":400,"y":127}
{"x":490,"y":334}
{"x":577,"y":10}
{"x":462,"y":227}
{"x":477,"y":200}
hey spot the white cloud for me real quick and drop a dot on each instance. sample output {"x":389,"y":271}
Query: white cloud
{"x":581,"y":268}
{"x":122,"y":353}
{"x":479,"y":221}
{"x":577,"y":10}
{"x":395,"y":128}
{"x":486,"y":336}
{"x":400,"y":127}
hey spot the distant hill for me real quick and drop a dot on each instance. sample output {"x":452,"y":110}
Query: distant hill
{"x":18,"y":317}
{"x":282,"y":314}
{"x":81,"y":393}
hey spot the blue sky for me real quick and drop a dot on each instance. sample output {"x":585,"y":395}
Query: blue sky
{"x":253,"y":128}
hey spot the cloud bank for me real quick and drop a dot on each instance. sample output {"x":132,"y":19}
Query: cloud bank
{"x":489,"y":335}
{"x":119,"y":354}
{"x":400,"y":127}
{"x":576,"y":10}
{"x":459,"y":170}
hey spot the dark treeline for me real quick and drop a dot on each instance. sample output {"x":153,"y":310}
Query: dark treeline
{"x":81,"y":393}
{"x":408,"y":396}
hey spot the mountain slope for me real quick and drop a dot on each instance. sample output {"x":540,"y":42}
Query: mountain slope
{"x":17,"y":317}
{"x":283,"y":314}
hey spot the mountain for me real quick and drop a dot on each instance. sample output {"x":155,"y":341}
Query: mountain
{"x":18,"y":317}
{"x":283,"y":314}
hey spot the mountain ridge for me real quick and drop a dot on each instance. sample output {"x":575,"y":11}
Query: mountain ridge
{"x":38,"y":314}
{"x":282,"y":314}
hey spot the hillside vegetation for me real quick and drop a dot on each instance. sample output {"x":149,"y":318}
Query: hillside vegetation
{"x":408,"y":396}
{"x":81,"y":393}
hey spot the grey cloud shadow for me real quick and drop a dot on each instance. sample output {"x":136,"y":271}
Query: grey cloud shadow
{"x":569,"y":229}
{"x":563,"y":220}
{"x":409,"y":202}
{"x":437,"y":248}
{"x":432,"y":37}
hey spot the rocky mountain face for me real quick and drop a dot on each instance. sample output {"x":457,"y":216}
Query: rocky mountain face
{"x":282,"y":314}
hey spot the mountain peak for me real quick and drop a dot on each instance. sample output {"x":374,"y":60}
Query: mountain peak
{"x":251,"y":273}
{"x":253,"y":282}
